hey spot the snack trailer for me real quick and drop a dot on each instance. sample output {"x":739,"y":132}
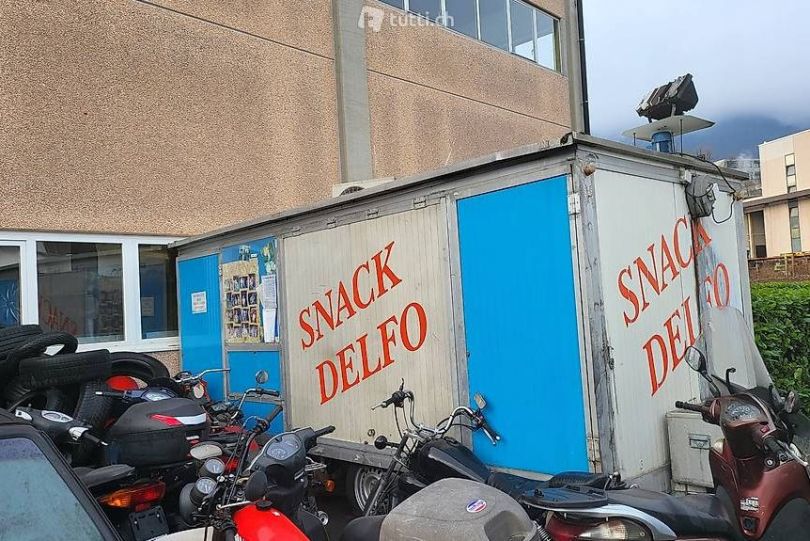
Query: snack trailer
{"x":564,"y":283}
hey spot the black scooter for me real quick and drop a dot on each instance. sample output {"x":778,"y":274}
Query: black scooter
{"x":427,"y":454}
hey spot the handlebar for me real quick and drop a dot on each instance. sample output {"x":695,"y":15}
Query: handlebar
{"x":698,"y":408}
{"x":57,"y":425}
{"x":324,"y":431}
{"x":489,"y":432}
{"x":397,"y":399}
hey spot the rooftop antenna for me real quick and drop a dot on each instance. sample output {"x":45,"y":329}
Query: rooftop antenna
{"x":664,"y":109}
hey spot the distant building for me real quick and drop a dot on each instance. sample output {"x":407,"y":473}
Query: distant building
{"x":752,"y":187}
{"x":777,"y":217}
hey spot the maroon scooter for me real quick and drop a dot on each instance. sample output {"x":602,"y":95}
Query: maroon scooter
{"x":759,"y":468}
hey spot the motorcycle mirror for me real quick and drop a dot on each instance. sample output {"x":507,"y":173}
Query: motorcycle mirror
{"x":262,"y":376}
{"x":695,"y":359}
{"x":792,"y":402}
{"x":256,"y":486}
{"x":480,"y":401}
{"x":205,"y":450}
{"x":381,"y":442}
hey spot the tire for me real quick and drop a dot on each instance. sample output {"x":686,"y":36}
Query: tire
{"x":360,"y":484}
{"x":68,"y":369}
{"x":36,"y":346}
{"x":10,"y":339}
{"x":45,"y":399}
{"x":137,"y":365}
{"x":94,"y":411}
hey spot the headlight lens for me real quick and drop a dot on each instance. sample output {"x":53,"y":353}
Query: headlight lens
{"x":616,"y":529}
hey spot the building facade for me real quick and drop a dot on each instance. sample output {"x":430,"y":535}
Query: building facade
{"x":779,"y":220}
{"x":127,"y":124}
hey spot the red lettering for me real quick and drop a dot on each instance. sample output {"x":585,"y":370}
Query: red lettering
{"x":347,"y":368}
{"x":307,"y":328}
{"x":674,"y":338}
{"x":689,"y":325}
{"x":367,"y":372}
{"x":356,"y":287}
{"x":388,"y":338}
{"x":327,"y":396}
{"x":726,"y":281}
{"x":383,"y":270}
{"x":668,"y":264}
{"x":655,"y":381}
{"x":676,"y":239}
{"x":403,"y":327}
{"x":630,"y":295}
{"x":700,"y":237}
{"x":344,"y":304}
{"x":652,"y":277}
{"x":321,"y":312}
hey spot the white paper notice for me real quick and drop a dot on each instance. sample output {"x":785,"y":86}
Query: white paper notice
{"x":199,"y":304}
{"x":269,"y":292}
{"x":269,"y":324}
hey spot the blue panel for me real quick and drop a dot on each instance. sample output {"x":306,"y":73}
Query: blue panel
{"x":521,"y":325}
{"x":201,"y":333}
{"x":244,"y":365}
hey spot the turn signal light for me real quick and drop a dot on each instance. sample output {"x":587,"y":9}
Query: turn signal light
{"x":128,"y":498}
{"x":329,"y":486}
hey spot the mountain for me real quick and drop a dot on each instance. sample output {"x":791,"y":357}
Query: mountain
{"x":734,"y":136}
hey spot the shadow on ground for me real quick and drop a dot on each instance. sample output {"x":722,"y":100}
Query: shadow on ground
{"x":339,"y":513}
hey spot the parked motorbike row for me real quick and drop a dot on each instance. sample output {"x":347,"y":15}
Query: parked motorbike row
{"x":435,"y":488}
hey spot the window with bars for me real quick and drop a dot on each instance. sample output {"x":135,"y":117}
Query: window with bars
{"x":511,"y":25}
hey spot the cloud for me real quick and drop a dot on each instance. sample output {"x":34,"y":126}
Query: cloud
{"x":747,"y":57}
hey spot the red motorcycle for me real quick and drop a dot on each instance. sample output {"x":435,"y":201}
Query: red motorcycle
{"x":759,"y":467}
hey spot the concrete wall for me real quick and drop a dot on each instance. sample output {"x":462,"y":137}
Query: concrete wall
{"x":125,"y":116}
{"x":438,"y":97}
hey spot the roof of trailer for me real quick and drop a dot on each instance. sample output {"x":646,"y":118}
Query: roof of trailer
{"x":475,"y":165}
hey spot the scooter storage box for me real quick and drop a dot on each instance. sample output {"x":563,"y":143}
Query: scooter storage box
{"x":156,"y":433}
{"x":459,"y":509}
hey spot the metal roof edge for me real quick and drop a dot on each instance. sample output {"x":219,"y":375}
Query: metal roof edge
{"x":475,"y":165}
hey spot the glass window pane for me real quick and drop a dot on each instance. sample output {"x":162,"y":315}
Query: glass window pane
{"x":790,"y":159}
{"x":9,"y":286}
{"x":547,"y":41}
{"x":43,"y":506}
{"x":81,"y":289}
{"x":462,"y":17}
{"x":158,"y":280}
{"x":494,"y":23}
{"x":791,"y":170}
{"x":522,"y":30}
{"x":796,"y":244}
{"x":431,"y":9}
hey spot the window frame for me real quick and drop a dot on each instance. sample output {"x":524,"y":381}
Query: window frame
{"x":131,"y":284}
{"x":558,"y":56}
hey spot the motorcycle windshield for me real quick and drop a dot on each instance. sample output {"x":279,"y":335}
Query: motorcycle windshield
{"x":731,"y":345}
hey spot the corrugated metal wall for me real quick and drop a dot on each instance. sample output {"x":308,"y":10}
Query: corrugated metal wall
{"x":394,"y":269}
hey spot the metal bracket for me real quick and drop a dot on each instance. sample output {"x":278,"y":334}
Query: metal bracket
{"x":700,"y":441}
{"x":420,"y":202}
{"x":573,"y":204}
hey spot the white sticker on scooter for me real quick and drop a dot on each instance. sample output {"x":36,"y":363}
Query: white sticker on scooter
{"x":476,"y":506}
{"x":749,"y":504}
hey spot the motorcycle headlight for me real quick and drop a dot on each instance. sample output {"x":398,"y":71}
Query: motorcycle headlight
{"x":616,"y":529}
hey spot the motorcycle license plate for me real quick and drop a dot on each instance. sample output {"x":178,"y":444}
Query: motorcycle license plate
{"x":148,"y":524}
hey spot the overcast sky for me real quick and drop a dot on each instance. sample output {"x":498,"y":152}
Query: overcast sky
{"x":747,"y":57}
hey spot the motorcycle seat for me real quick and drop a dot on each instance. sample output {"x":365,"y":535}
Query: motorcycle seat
{"x":363,"y":529}
{"x":96,"y":477}
{"x":515,"y":485}
{"x":702,"y":515}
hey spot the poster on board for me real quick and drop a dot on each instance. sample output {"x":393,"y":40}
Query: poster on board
{"x":249,"y":303}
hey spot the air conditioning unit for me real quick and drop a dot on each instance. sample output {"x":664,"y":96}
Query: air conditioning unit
{"x":345,"y":188}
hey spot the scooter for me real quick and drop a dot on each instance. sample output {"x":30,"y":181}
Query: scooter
{"x":263,"y":500}
{"x":426,"y":454}
{"x":450,"y":510}
{"x":760,"y":472}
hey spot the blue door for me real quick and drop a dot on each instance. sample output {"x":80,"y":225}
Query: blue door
{"x":200,"y":319}
{"x":244,"y":365}
{"x":521,"y":325}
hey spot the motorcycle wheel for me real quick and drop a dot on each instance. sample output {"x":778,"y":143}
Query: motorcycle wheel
{"x":361,"y":481}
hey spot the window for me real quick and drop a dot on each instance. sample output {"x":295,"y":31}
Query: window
{"x":494,"y":23}
{"x":158,"y":285}
{"x":511,"y":25}
{"x":790,"y":172}
{"x":43,"y":506}
{"x":522,"y":18}
{"x":795,"y":231}
{"x":9,"y":286}
{"x":81,"y":289}
{"x":462,"y":16}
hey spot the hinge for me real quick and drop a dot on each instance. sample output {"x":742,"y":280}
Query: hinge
{"x":573,"y":203}
{"x":420,"y":202}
